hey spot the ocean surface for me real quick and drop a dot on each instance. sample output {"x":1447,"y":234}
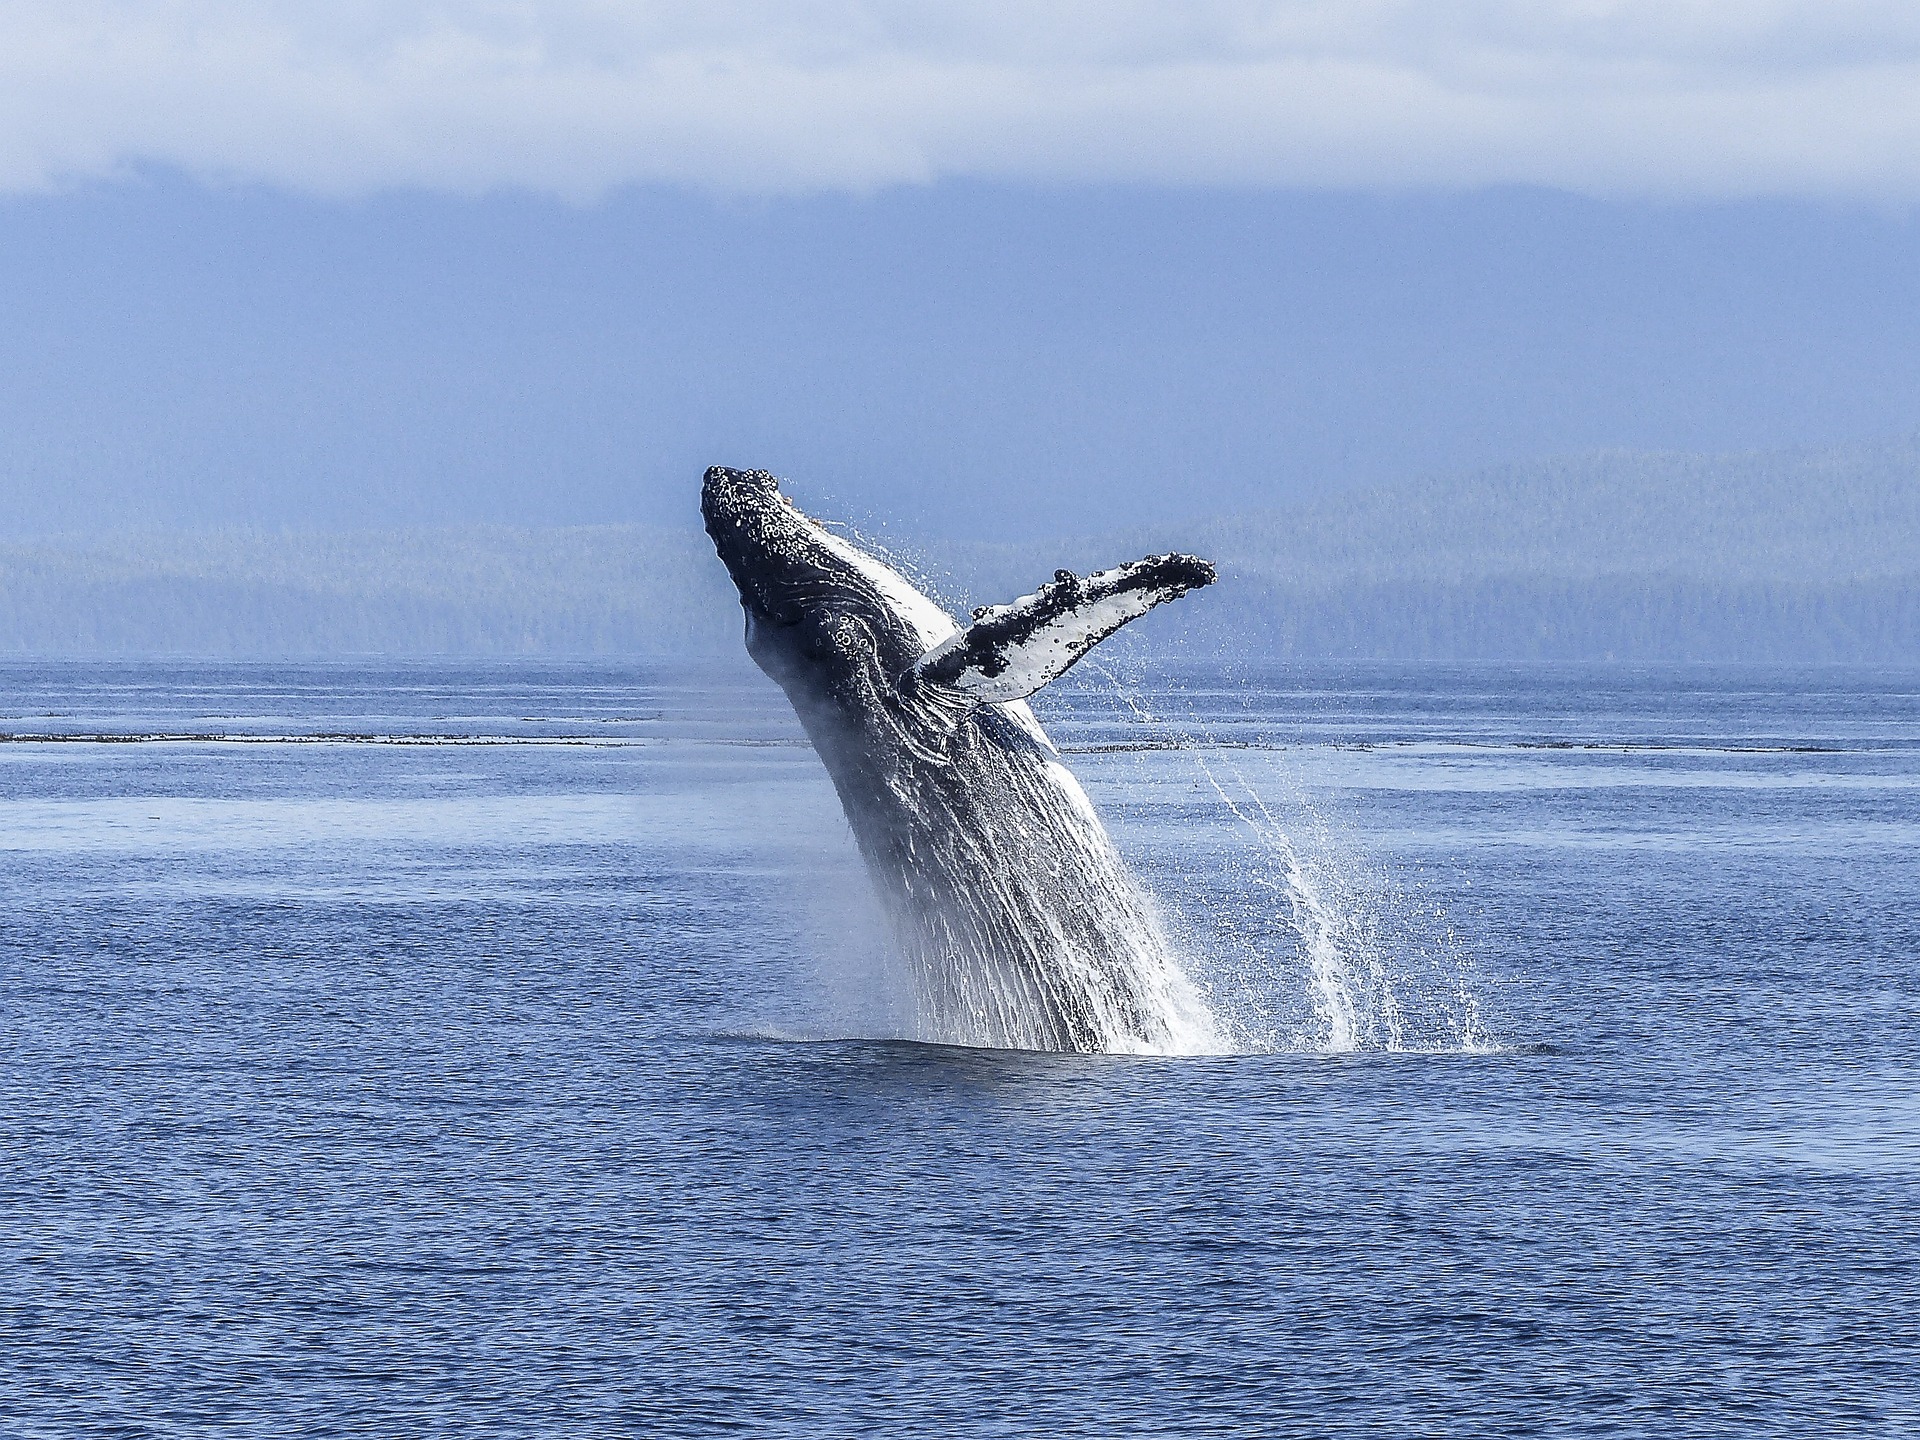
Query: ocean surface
{"x":513,"y":1050}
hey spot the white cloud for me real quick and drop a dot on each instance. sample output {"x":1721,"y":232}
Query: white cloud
{"x":1678,"y":97}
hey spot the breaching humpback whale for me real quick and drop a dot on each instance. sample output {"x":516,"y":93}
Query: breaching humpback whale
{"x":1022,"y":925}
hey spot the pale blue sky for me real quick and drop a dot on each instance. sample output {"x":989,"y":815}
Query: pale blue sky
{"x":964,"y":266}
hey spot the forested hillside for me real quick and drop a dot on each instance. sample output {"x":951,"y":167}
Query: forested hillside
{"x":1784,"y":555}
{"x":1771,"y":556}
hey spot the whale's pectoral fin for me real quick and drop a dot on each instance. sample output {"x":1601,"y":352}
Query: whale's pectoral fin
{"x":1010,"y":651}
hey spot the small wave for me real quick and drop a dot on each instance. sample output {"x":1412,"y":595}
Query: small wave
{"x":1611,"y":747}
{"x":1133,"y":747}
{"x":1630,"y":747}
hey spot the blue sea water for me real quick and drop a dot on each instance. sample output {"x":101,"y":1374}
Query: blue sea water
{"x":511,"y":1050}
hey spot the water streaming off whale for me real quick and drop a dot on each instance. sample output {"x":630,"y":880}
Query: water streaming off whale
{"x":1025,"y":930}
{"x":1321,"y":951}
{"x":1020,"y":924}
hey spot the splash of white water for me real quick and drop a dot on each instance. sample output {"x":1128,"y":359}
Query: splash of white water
{"x":1370,"y":980}
{"x":1374,"y":971}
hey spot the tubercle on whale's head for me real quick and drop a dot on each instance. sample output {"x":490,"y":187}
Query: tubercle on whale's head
{"x":812,"y":606}
{"x":754,"y":529}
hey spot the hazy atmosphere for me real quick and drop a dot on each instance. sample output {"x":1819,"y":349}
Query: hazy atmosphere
{"x":408,"y":281}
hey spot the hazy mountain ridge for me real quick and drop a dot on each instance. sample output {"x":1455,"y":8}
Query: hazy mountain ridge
{"x":491,"y":590}
{"x":1814,"y":517}
{"x":1807,"y":517}
{"x":1786,"y":555}
{"x":1778,"y":555}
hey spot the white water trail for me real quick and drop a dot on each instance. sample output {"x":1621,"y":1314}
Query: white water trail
{"x":1343,"y":922}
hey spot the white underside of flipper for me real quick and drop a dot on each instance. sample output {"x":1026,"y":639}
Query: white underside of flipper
{"x":1010,"y":651}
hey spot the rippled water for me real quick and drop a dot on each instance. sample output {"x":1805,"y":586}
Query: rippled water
{"x":499,"y":1050}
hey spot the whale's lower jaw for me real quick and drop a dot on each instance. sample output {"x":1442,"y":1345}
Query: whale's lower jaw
{"x":1020,"y":925}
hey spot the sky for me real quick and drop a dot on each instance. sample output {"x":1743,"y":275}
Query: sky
{"x":576,"y":97}
{"x":973,"y":267}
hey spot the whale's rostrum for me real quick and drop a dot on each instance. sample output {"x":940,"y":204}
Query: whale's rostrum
{"x":1021,"y":924}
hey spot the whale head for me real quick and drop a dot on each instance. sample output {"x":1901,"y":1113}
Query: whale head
{"x":819,"y":610}
{"x":831,"y":622}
